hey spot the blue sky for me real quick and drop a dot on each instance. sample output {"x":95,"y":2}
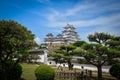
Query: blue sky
{"x":50,"y":16}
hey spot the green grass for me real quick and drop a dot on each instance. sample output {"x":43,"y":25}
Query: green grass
{"x":106,"y":76}
{"x":28,"y":71}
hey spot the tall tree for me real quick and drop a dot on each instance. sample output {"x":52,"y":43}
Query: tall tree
{"x":112,"y":42}
{"x":98,"y":52}
{"x":64,"y":54}
{"x":15,"y":40}
{"x":95,"y":54}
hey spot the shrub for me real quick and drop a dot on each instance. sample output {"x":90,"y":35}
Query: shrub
{"x":115,"y":71}
{"x":44,"y":72}
{"x":13,"y":72}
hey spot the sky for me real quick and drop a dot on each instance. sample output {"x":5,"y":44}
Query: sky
{"x":50,"y":16}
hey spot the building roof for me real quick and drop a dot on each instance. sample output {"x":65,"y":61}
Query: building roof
{"x":36,"y":51}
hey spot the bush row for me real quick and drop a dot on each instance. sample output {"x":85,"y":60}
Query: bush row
{"x":44,"y":72}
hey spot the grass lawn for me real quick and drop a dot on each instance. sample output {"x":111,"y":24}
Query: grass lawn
{"x":28,"y":71}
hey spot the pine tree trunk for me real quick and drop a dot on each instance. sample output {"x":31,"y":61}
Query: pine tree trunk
{"x":69,"y":65}
{"x":4,"y":73}
{"x":99,"y":67}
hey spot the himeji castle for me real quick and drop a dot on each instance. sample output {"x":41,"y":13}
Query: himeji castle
{"x":66,"y":37}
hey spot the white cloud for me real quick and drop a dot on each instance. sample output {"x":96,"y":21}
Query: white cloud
{"x":37,"y":40}
{"x":58,"y":18}
{"x":107,"y":21}
{"x":76,"y":9}
{"x":57,"y":15}
{"x":53,"y":16}
{"x":72,"y":11}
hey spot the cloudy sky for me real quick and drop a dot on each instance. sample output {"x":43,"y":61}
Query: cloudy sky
{"x":50,"y":16}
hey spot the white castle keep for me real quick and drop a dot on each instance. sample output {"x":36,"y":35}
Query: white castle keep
{"x":68,"y":36}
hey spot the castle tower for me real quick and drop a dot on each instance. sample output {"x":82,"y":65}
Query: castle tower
{"x":69,"y":34}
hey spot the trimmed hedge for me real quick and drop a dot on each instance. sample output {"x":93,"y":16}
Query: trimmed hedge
{"x":44,"y":72}
{"x":115,"y":71}
{"x":12,"y":72}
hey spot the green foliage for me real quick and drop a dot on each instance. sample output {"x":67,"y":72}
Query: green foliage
{"x":115,"y":71}
{"x":79,"y":43}
{"x":99,"y":37}
{"x":82,"y":61}
{"x":56,"y":57}
{"x":67,"y":53}
{"x":67,"y":48}
{"x":42,"y":47}
{"x":44,"y":72}
{"x":105,"y":47}
{"x":15,"y":40}
{"x":114,"y":43}
{"x":78,"y":51}
{"x":114,"y":50}
{"x":13,"y":71}
{"x":95,"y":53}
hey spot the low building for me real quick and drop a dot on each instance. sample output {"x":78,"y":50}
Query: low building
{"x":42,"y":53}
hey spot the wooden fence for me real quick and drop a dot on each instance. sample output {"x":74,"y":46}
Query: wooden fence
{"x":86,"y":75}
